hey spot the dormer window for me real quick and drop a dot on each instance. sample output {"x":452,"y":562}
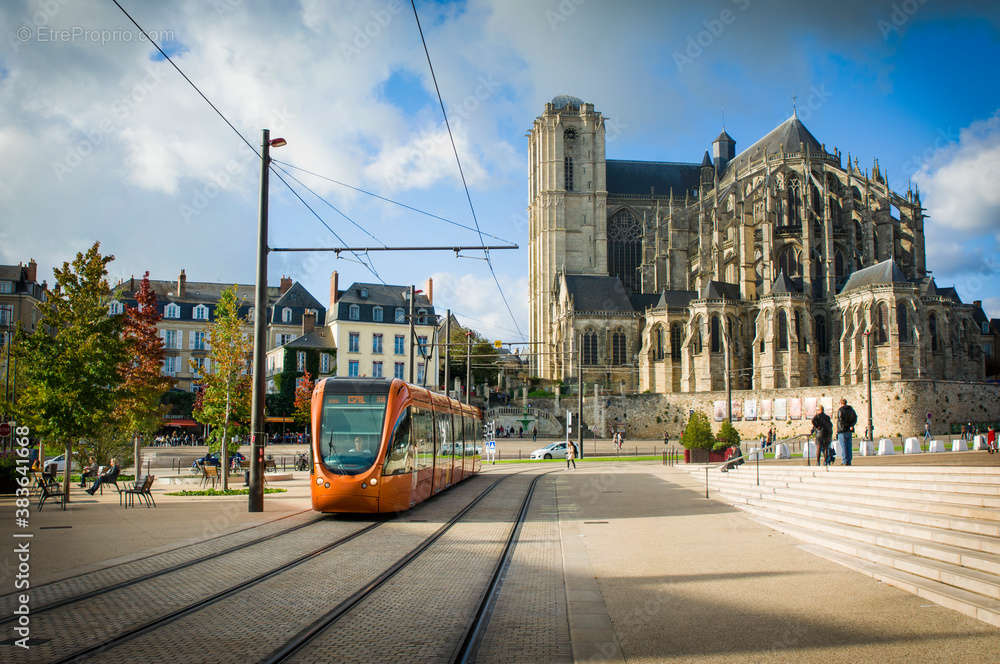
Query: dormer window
{"x":364,"y":293}
{"x":377,"y":314}
{"x":115,"y":307}
{"x":286,"y":315}
{"x":172,"y":310}
{"x":400,"y":315}
{"x":354,"y":312}
{"x":200,"y":312}
{"x":421,"y":316}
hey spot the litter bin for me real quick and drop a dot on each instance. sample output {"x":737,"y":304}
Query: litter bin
{"x":246,"y":478}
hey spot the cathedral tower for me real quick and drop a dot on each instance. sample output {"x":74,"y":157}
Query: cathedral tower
{"x":567,"y":208}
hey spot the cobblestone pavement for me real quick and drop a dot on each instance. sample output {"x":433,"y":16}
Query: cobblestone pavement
{"x":529,"y":622}
{"x":253,"y":623}
{"x":102,"y":578}
{"x":421,"y":614}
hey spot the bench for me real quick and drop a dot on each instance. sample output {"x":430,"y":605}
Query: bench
{"x":209,"y":474}
{"x":270,"y":466}
{"x":142,"y":489}
{"x":51,"y":490}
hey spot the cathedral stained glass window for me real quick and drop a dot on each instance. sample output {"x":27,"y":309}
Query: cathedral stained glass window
{"x":625,"y":249}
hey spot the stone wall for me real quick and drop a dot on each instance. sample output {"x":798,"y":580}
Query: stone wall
{"x":899,"y":408}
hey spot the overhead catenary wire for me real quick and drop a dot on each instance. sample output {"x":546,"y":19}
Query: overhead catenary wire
{"x":388,"y":200}
{"x":461,"y":172}
{"x":369,"y":265}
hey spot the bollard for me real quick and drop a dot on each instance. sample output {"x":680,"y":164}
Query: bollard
{"x":706,"y":481}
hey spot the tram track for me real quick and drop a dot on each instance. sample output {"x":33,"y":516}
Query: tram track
{"x":231,"y":592}
{"x":474,"y":631}
{"x":72,"y":599}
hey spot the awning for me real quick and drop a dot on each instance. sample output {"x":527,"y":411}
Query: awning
{"x":180,"y":423}
{"x":279,"y":420}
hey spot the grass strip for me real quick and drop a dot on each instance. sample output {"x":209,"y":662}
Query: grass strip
{"x":219,"y":492}
{"x":583,"y":460}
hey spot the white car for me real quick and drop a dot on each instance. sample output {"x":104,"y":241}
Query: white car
{"x":550,"y":451}
{"x":59,"y":462}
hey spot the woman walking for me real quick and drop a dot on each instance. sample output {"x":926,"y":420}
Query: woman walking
{"x":571,"y":456}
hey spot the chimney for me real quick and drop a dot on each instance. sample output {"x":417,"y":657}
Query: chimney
{"x":977,"y":303}
{"x":181,"y":283}
{"x":334,"y":294}
{"x":286,"y":283}
{"x":429,"y":291}
{"x":32,"y":274}
{"x":308,"y":322}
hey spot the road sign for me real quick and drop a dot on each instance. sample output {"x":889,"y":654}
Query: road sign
{"x":497,"y":344}
{"x":4,"y":429}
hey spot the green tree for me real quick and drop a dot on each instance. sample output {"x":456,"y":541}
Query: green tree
{"x":303,"y":400}
{"x":728,"y":436}
{"x":139,"y":412}
{"x":698,"y":433}
{"x":71,"y":360}
{"x":224,"y":402}
{"x":484,"y":357}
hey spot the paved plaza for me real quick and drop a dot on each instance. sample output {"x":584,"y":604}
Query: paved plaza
{"x":615,"y":561}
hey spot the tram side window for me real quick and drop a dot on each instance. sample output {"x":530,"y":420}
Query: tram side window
{"x":445,"y":442}
{"x":459,"y":435}
{"x":399,"y":461}
{"x":423,"y":437}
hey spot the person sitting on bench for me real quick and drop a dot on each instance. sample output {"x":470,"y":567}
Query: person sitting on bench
{"x":109,"y":477}
{"x":90,"y":470}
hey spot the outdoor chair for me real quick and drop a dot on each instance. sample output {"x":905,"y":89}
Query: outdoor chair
{"x":141,"y":489}
{"x":211,"y":475}
{"x":52,"y":490}
{"x":270,"y":466}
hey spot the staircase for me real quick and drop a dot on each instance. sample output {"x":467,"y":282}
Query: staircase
{"x":933,"y":531}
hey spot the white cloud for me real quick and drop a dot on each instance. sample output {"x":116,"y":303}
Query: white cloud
{"x":476,"y":302}
{"x":424,"y":161}
{"x":959,"y":182}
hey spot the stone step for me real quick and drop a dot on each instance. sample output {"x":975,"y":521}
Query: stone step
{"x":984,"y":521}
{"x":885,"y":526}
{"x":967,"y":603}
{"x":956,"y":555}
{"x":900,"y":511}
{"x":967,"y":475}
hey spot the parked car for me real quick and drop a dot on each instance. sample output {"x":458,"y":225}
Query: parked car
{"x":550,"y":451}
{"x":60,"y":464}
{"x":213,"y":459}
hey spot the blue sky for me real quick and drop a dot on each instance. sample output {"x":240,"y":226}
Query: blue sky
{"x":106,"y":142}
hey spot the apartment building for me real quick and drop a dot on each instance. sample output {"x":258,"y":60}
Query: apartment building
{"x":188,"y":307}
{"x":20,"y":295}
{"x":312,"y":350}
{"x":369,"y":324}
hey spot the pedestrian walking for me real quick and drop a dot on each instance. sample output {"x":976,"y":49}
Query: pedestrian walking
{"x":534,"y":433}
{"x":927,"y":429}
{"x":846,"y":419}
{"x":491,"y":451}
{"x":823,"y":428}
{"x":991,"y":440}
{"x":571,"y":456}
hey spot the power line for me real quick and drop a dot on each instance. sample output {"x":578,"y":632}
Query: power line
{"x":332,"y":206}
{"x":388,"y":200}
{"x":250,"y":145}
{"x":461,"y":172}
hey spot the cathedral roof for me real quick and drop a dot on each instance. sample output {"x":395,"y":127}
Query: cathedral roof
{"x":562,"y":101}
{"x":886,"y":272}
{"x":597,"y":293}
{"x":642,"y":177}
{"x":790,"y":136}
{"x":642,"y":301}
{"x":706,"y":160}
{"x":783,"y":285}
{"x":676,"y":298}
{"x":724,"y":137}
{"x":720,"y":290}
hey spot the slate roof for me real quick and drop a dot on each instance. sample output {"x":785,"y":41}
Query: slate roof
{"x":299,"y":299}
{"x":638,"y":177}
{"x":706,"y":160}
{"x":10,"y":272}
{"x":723,"y":137}
{"x":597,"y":293}
{"x":784,"y":286}
{"x":790,"y":136}
{"x":886,"y":272}
{"x":562,"y":101}
{"x":720,"y":290}
{"x":317,"y":339}
{"x":642,"y":301}
{"x":950,"y":293}
{"x":676,"y":299}
{"x":386,"y":295}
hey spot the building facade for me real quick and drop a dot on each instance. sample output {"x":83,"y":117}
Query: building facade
{"x":313,"y":351}
{"x":783,"y":265}
{"x":188,"y":307}
{"x":20,"y":295}
{"x":369,"y":325}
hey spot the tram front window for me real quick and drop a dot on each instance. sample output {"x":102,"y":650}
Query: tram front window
{"x":350,"y":432}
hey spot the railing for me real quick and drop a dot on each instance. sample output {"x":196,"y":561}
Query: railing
{"x":672,"y":456}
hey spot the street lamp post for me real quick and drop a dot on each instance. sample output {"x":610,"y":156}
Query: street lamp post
{"x":868,"y":380}
{"x":256,"y":497}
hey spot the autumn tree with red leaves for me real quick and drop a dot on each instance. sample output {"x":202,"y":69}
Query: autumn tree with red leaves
{"x":303,"y":399}
{"x":139,"y":411}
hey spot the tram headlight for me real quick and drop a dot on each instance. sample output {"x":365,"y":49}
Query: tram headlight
{"x":319,"y":480}
{"x":326,"y":485}
{"x":373,"y":481}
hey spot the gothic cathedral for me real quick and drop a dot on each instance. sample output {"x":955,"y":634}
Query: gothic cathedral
{"x":784,"y":263}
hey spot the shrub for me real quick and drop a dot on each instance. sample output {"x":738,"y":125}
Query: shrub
{"x":728,"y":436}
{"x":698,"y":433}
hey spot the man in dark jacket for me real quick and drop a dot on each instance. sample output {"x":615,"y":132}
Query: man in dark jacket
{"x":846,"y":419}
{"x":110,"y":476}
{"x":824,"y":431}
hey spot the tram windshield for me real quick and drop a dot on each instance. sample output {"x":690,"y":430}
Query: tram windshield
{"x":351,"y":431}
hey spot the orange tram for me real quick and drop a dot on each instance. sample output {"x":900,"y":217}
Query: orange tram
{"x":383,"y":445}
